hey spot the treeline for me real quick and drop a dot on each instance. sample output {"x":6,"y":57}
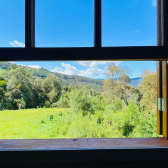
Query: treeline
{"x":23,"y":90}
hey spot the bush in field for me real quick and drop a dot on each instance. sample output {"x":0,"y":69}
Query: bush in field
{"x":9,"y":104}
{"x":98,"y":102}
{"x":117,"y":104}
{"x":20,"y":103}
{"x":146,"y":127}
{"x":80,"y":100}
{"x":47,"y":104}
{"x":63,"y":102}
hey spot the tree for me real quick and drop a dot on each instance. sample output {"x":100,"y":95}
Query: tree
{"x":19,"y":87}
{"x":51,"y":88}
{"x":2,"y":88}
{"x":117,"y":83}
{"x":148,"y":89}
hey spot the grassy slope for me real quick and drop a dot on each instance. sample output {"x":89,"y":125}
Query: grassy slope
{"x":36,"y":124}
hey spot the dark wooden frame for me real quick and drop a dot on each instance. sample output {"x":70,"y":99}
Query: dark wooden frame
{"x":136,"y":151}
{"x":32,"y":53}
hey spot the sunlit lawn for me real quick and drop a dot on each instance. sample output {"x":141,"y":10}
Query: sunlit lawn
{"x":29,"y":123}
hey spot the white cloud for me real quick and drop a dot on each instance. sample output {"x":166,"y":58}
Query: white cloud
{"x":154,"y":3}
{"x":34,"y":66}
{"x":84,"y":63}
{"x":17,"y":44}
{"x":11,"y":62}
{"x":96,"y":63}
{"x":91,"y":72}
{"x":71,"y":70}
{"x":136,"y":31}
{"x":49,"y":66}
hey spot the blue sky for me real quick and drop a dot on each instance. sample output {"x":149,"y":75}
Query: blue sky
{"x":71,"y":24}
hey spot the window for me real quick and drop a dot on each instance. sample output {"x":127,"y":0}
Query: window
{"x":129,"y":23}
{"x":12,"y":21}
{"x":67,"y":21}
{"x":78,"y":99}
{"x":97,"y":52}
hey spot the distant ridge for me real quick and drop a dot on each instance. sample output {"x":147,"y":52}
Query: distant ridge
{"x":134,"y":81}
{"x":67,"y":80}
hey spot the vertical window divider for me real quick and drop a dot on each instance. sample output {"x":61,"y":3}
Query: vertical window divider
{"x":165,"y":22}
{"x":29,"y":24}
{"x":159,"y":66}
{"x":97,"y":23}
{"x":162,"y":84}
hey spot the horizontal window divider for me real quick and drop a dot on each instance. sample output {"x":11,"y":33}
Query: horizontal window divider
{"x":157,"y":53}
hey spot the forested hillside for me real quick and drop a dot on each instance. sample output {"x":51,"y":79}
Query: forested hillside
{"x":65,"y":80}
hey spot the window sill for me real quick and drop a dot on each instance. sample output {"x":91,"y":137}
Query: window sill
{"x":82,"y":144}
{"x":83,"y":151}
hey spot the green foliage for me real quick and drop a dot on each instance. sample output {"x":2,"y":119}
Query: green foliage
{"x":120,"y":111}
{"x":51,"y":87}
{"x":47,"y":104}
{"x":65,"y":80}
{"x":80,"y":100}
{"x":127,"y":129}
{"x":20,"y":103}
{"x":117,"y":83}
{"x":2,"y":88}
{"x":4,"y":65}
{"x":63,"y":102}
{"x":8,"y":104}
{"x":148,"y":89}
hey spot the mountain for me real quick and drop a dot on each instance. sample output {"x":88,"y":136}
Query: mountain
{"x":135,"y":82}
{"x":66,"y":80}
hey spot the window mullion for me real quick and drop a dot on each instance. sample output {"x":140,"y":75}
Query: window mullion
{"x":29,"y":23}
{"x":165,"y":22}
{"x":97,"y":23}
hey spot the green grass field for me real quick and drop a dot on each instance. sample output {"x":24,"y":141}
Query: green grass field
{"x":29,"y":123}
{"x":37,"y":124}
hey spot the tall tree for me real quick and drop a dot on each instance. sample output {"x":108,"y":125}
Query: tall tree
{"x":148,"y":89}
{"x":117,"y":83}
{"x":2,"y":88}
{"x":51,"y":88}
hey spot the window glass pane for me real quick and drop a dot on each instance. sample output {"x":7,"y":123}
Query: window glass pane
{"x":12,"y":23}
{"x":129,"y":23}
{"x":67,"y":23}
{"x":78,"y":99}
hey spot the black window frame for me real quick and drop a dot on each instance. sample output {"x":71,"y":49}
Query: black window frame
{"x":111,"y":156}
{"x":131,"y":53}
{"x":32,"y":53}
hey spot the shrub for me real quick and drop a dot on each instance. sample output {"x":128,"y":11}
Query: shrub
{"x":63,"y":102}
{"x":47,"y":104}
{"x":80,"y":100}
